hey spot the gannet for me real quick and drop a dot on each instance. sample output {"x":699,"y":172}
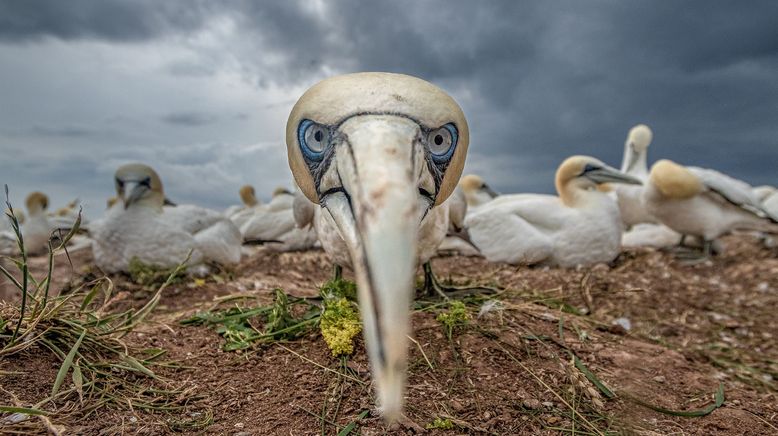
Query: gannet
{"x":703,"y":202}
{"x":249,"y":199}
{"x":635,"y":164}
{"x":580,"y":227}
{"x":457,"y":239}
{"x":37,"y":228}
{"x":138,"y":228}
{"x":217,"y":237}
{"x":476,"y":191}
{"x":768,"y":196}
{"x":379,"y":153}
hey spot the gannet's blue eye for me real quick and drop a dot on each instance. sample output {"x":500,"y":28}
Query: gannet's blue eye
{"x":313,"y":138}
{"x":442,"y":142}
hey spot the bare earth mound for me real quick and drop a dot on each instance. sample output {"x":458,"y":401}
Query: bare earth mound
{"x":519,"y":367}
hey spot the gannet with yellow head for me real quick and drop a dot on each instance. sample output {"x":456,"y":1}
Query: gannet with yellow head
{"x":379,"y":153}
{"x":476,"y":190}
{"x":581,"y":226}
{"x":703,"y":202}
{"x":37,"y":228}
{"x":140,"y":228}
{"x":248,"y":200}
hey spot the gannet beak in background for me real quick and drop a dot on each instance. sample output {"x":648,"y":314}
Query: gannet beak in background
{"x":138,"y":183}
{"x":599,"y":173}
{"x":377,"y":151}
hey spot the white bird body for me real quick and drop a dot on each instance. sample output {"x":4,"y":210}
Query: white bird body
{"x":142,"y":233}
{"x":276,"y":221}
{"x":650,"y":235}
{"x":141,"y":228}
{"x":768,"y":196}
{"x":704,"y":203}
{"x":580,"y":227}
{"x":218,"y":239}
{"x":531,"y":229}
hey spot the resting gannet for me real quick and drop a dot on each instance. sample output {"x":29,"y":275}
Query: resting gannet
{"x":379,"y":153}
{"x":635,"y":164}
{"x":476,"y":191}
{"x":277,"y":223}
{"x":37,"y":228}
{"x":217,"y":237}
{"x":580,"y":227}
{"x":457,"y":239}
{"x":768,"y":196}
{"x":704,"y":203}
{"x":139,"y":228}
{"x":249,"y":198}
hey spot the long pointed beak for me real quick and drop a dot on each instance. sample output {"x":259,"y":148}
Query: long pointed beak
{"x":378,"y":217}
{"x":136,"y":190}
{"x":492,"y":193}
{"x":612,"y":175}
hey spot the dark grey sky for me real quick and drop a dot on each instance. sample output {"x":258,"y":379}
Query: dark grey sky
{"x":201,"y":89}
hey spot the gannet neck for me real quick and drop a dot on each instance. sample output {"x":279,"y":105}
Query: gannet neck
{"x":674,"y":181}
{"x":36,"y":203}
{"x":636,"y":151}
{"x":248,"y":196}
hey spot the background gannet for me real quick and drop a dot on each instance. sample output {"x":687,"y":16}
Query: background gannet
{"x":635,"y":164}
{"x":476,"y":191}
{"x":139,"y":229}
{"x":703,"y":202}
{"x":457,"y":239}
{"x":377,"y":152}
{"x":248,"y":198}
{"x":580,"y":227}
{"x":37,"y":228}
{"x":217,"y":237}
{"x":768,"y":196}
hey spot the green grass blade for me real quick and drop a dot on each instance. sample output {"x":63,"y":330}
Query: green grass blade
{"x":25,"y":410}
{"x":719,"y":401}
{"x":353,"y":424}
{"x":66,"y":364}
{"x":592,"y":378}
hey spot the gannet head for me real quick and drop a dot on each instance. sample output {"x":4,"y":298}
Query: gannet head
{"x":584,"y":173}
{"x":280,"y":190}
{"x":36,"y":203}
{"x":674,"y":181}
{"x":138,"y":184}
{"x":377,"y":151}
{"x":636,"y":146}
{"x":476,"y":190}
{"x":248,"y":196}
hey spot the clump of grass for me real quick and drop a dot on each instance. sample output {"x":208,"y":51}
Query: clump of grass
{"x":440,"y":424}
{"x":289,"y":318}
{"x":238,"y":325}
{"x":455,"y":317}
{"x":148,"y":275}
{"x":79,"y":329}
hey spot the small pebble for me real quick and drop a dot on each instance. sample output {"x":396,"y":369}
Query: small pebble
{"x":238,"y":425}
{"x":660,"y":379}
{"x":548,"y":404}
{"x":531,"y":404}
{"x":133,"y":419}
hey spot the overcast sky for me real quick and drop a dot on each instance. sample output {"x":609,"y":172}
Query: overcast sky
{"x":201,"y":90}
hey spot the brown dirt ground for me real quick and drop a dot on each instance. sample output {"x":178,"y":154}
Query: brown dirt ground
{"x":692,"y":326}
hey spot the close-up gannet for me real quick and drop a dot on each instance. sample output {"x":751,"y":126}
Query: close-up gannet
{"x":635,"y":164}
{"x":703,"y":203}
{"x":378,"y":152}
{"x":476,"y":191}
{"x":139,"y":229}
{"x":581,"y":226}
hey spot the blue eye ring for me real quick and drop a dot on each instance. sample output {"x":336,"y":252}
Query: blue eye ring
{"x":308,"y":152}
{"x":443,"y":158}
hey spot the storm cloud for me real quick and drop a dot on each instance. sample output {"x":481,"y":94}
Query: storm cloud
{"x":201,"y":89}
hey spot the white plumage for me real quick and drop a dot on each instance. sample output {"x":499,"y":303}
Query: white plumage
{"x":634,"y":163}
{"x":580,"y":227}
{"x":702,"y":202}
